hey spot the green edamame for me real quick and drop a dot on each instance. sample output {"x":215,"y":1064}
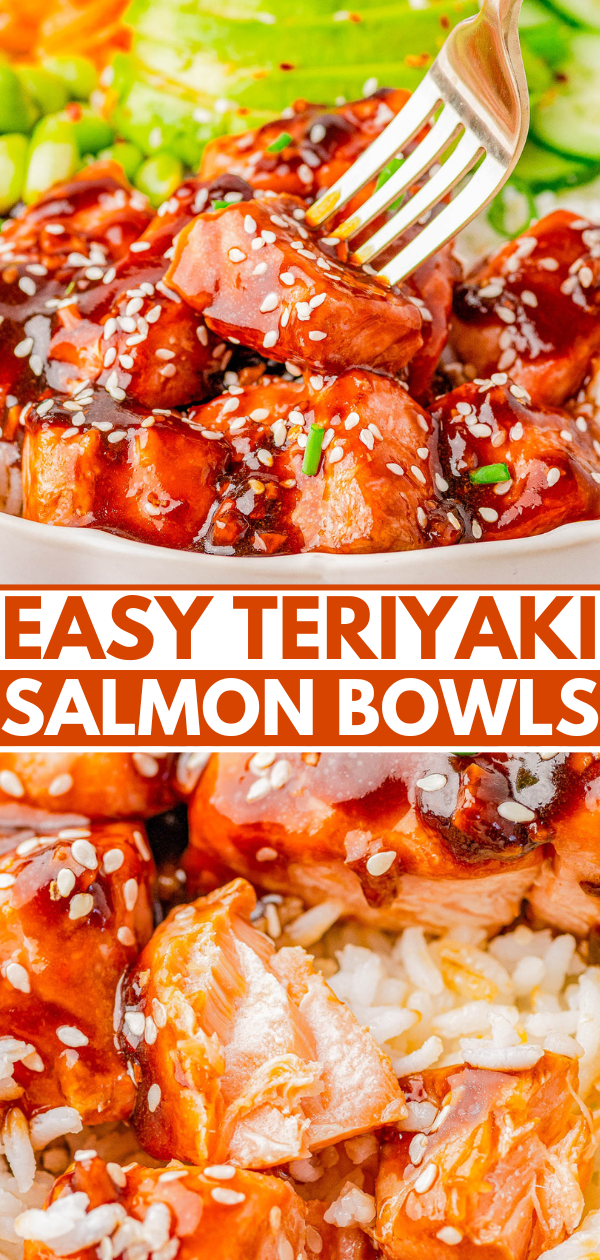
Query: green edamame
{"x":92,"y":132}
{"x":53,"y":155}
{"x":46,"y":89}
{"x":17,"y":109}
{"x":128,"y":155}
{"x":13,"y":164}
{"x":159,"y":176}
{"x":79,"y":75}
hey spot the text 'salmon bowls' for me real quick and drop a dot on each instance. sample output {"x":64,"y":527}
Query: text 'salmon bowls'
{"x":42,"y":555}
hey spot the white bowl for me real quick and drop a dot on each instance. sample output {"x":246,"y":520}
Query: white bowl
{"x":46,"y":554}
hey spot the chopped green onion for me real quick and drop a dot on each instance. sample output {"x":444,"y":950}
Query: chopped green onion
{"x":387,"y":172}
{"x":312,"y":454}
{"x":281,"y":142}
{"x":489,"y":474}
{"x":220,"y":205}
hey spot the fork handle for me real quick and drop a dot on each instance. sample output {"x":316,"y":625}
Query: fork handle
{"x":504,"y":13}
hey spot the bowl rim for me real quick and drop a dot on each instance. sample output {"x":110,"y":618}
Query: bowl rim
{"x":410,"y":567}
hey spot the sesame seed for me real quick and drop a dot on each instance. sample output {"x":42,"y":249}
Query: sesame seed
{"x":125,"y":936}
{"x":6,"y":881}
{"x":94,"y":273}
{"x":581,"y":424}
{"x":317,"y":300}
{"x":138,"y":247}
{"x":514,"y":811}
{"x":432,"y":782}
{"x":351,"y":420}
{"x":28,"y":286}
{"x":85,"y":854}
{"x":266,"y":855}
{"x":553,"y":476}
{"x":220,"y":1172}
{"x":416,"y":472}
{"x":379,"y":863}
{"x":36,"y":364}
{"x":440,"y":482}
{"x":453,"y":521}
{"x":130,"y":893}
{"x":366,"y":437}
{"x":127,"y":323}
{"x":505,"y":314}
{"x":153,"y":314}
{"x":249,"y":225}
{"x":396,"y":469}
{"x":10,"y":783}
{"x":227,"y":1197}
{"x":81,"y":905}
{"x":236,"y":255}
{"x":260,"y":269}
{"x":268,"y":237}
{"x":24,"y":348}
{"x":529,"y":298}
{"x":449,"y":1235}
{"x":269,"y":303}
{"x":45,"y":407}
{"x":425,"y":1179}
{"x":258,"y":789}
{"x":150,"y":1031}
{"x":477,"y":530}
{"x":109,"y":275}
{"x":126,"y":361}
{"x":488,"y":514}
{"x":270,"y":339}
{"x":71,"y":1036}
{"x":116,"y":1174}
{"x":417,"y":1149}
{"x":286,"y":277}
{"x":118,"y":436}
{"x":516,"y":433}
{"x":422,"y":517}
{"x":585,"y":277}
{"x":65,"y":881}
{"x":154,"y":1096}
{"x":109,"y":329}
{"x":55,"y":229}
{"x":110,"y":356}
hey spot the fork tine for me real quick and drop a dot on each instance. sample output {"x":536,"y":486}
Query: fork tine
{"x":433,"y":191}
{"x":411,"y":119}
{"x":419,"y":161}
{"x":478,"y":192}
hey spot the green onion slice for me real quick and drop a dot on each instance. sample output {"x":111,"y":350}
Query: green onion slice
{"x":312,"y":454}
{"x":489,"y":474}
{"x":220,"y":205}
{"x":387,"y":172}
{"x":281,"y":142}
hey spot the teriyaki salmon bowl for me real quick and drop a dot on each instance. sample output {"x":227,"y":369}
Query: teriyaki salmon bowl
{"x":285,"y":1005}
{"x":189,"y":365}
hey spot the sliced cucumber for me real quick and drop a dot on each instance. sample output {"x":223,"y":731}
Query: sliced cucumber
{"x":539,"y":168}
{"x":568,"y":117}
{"x":583,"y":12}
{"x":511,"y":211}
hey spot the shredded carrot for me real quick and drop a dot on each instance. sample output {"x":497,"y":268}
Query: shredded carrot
{"x":38,"y":28}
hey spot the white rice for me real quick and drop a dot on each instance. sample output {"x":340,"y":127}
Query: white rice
{"x":428,"y":1003}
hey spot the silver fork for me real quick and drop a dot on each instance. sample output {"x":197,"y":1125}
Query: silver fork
{"x":479,"y":81}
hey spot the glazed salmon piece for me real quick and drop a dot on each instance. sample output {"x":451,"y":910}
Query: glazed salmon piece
{"x":261,"y":277}
{"x":95,"y":785}
{"x":96,"y":208}
{"x":75,"y":909}
{"x":149,"y":477}
{"x":323,"y":144}
{"x":568,"y":885}
{"x":553,"y":469}
{"x":533,"y":309}
{"x":185,"y":1213}
{"x":228,"y":1042}
{"x":501,"y":1174}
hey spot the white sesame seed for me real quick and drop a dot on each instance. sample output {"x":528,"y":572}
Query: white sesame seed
{"x":110,"y":356}
{"x":118,"y":436}
{"x":516,"y":433}
{"x":23,"y":348}
{"x":269,"y":303}
{"x":65,"y":881}
{"x":585,"y":277}
{"x":270,"y":339}
{"x":125,"y":936}
{"x":36,"y":364}
{"x":553,"y":476}
{"x":440,"y":482}
{"x":268,"y":237}
{"x":10,"y":783}
{"x":259,"y":270}
{"x":379,"y":863}
{"x":126,"y":361}
{"x":258,"y":789}
{"x":488,"y":514}
{"x":154,"y":1096}
{"x":153,"y":314}
{"x":81,"y":905}
{"x":236,"y":255}
{"x":18,"y":977}
{"x":366,"y":437}
{"x":336,"y":454}
{"x":477,"y":530}
{"x":419,"y":476}
{"x":109,"y":275}
{"x":280,"y":773}
{"x":28,"y":846}
{"x":28,"y":286}
{"x":514,"y":811}
{"x":432,"y":782}
{"x":109,"y":329}
{"x":505,"y":314}
{"x":85,"y":854}
{"x":396,"y":469}
{"x":286,"y":277}
{"x":150,"y":1031}
{"x":130,"y":893}
{"x":60,"y":785}
{"x":55,"y":229}
{"x":71,"y":1036}
{"x":228,"y":1198}
{"x":116,"y":1174}
{"x":7,"y":881}
{"x":138,"y":247}
{"x":94,"y":273}
{"x":529,"y":298}
{"x":249,"y":225}
{"x":425,"y":1179}
{"x":449,"y":1235}
{"x":45,"y":407}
